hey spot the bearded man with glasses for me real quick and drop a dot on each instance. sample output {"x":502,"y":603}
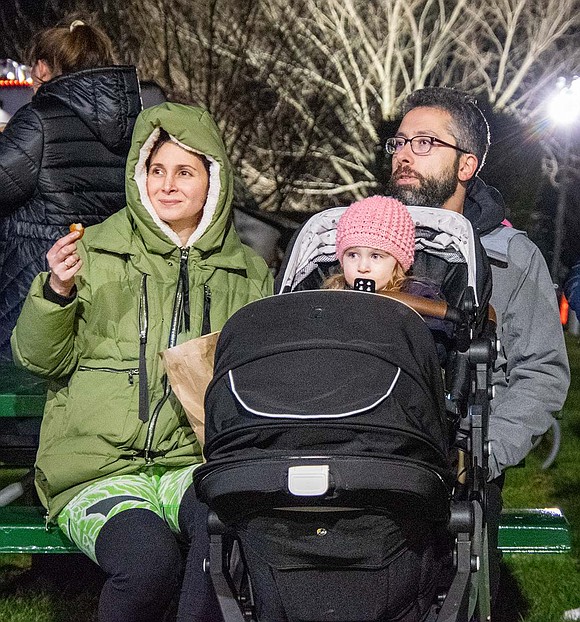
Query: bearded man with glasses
{"x":437,"y":153}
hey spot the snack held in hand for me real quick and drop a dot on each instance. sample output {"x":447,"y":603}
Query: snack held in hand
{"x":76,"y":226}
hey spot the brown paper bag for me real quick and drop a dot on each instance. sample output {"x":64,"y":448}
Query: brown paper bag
{"x":189,"y":368}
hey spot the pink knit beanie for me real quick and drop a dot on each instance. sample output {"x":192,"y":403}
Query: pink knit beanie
{"x":378,"y":222}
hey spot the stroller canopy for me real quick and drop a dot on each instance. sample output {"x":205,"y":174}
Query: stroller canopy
{"x":312,"y":355}
{"x":333,"y":375}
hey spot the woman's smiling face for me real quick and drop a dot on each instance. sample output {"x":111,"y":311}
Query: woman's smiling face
{"x":177,"y":186}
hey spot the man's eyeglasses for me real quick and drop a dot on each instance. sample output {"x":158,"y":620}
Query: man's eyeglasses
{"x":420,"y":145}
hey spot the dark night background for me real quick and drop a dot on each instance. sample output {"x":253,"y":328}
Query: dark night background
{"x":513,"y":164}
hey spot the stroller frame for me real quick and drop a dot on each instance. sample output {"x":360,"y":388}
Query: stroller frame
{"x":467,"y":596}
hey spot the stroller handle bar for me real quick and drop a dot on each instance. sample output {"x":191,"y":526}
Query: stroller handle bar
{"x":434,"y":308}
{"x":424,"y":306}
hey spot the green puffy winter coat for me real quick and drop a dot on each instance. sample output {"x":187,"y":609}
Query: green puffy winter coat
{"x":131,"y":302}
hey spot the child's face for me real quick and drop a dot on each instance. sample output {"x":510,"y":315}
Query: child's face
{"x":362,"y":262}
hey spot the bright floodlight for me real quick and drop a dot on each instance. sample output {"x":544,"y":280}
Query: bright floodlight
{"x":564,"y":107}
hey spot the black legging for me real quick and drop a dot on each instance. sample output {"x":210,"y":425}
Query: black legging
{"x":198,"y":602}
{"x":144,"y":563}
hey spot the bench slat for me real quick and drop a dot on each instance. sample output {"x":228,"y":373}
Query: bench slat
{"x":14,"y":405}
{"x":22,"y":530}
{"x":22,"y":394}
{"x":534,"y":530}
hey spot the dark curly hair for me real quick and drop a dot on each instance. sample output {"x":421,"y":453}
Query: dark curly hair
{"x":468,"y":123}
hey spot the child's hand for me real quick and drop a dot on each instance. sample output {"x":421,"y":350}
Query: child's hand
{"x":64,"y":263}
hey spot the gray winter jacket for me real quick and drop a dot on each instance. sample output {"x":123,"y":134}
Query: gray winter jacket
{"x":531,"y":374}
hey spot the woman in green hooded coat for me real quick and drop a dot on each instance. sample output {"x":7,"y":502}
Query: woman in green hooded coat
{"x":116,"y":451}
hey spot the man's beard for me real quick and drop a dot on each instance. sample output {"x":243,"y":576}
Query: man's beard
{"x":429,"y":192}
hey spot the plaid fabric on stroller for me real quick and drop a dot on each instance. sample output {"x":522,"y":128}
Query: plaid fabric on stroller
{"x":328,"y":447}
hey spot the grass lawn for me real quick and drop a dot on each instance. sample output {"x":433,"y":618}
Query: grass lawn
{"x":53,"y":588}
{"x":538,"y":588}
{"x":534,"y":588}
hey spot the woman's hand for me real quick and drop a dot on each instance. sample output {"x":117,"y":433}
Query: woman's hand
{"x":64,"y":263}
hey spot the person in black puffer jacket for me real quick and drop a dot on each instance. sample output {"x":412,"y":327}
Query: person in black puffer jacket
{"x":62,"y":156}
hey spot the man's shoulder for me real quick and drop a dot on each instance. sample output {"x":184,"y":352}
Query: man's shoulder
{"x":503,"y":243}
{"x":514,"y":257}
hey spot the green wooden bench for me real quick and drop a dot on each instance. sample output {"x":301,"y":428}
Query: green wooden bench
{"x":23,"y":529}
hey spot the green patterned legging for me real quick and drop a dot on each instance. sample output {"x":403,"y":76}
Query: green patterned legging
{"x":159,"y":489}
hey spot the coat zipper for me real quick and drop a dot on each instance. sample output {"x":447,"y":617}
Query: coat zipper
{"x":206,"y":322}
{"x":143,"y":329}
{"x":180,"y":306}
{"x":131,"y":373}
{"x":184,"y":279}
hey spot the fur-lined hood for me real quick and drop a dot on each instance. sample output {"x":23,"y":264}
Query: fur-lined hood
{"x":192,"y":128}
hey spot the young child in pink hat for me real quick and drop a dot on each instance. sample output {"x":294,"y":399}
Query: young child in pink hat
{"x":375,"y":245}
{"x":375,"y":241}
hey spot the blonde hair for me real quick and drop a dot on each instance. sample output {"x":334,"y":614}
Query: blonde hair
{"x":70,"y":48}
{"x":395,"y":284}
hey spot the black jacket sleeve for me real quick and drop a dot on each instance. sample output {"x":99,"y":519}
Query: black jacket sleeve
{"x":21,"y":146}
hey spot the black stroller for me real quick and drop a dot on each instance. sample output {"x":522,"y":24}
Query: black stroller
{"x":346,"y":480}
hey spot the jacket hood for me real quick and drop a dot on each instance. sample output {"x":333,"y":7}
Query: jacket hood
{"x":484,"y":206}
{"x":193,"y":129}
{"x":107,"y":100}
